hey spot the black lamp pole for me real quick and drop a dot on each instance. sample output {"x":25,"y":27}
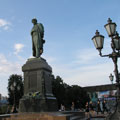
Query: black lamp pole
{"x":13,"y":88}
{"x":115,"y":45}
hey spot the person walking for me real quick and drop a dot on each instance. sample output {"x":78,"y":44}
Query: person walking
{"x":91,"y":108}
{"x":62,"y":108}
{"x":104,"y":106}
{"x":73,"y":106}
{"x":98,"y":107}
{"x":87,"y":110}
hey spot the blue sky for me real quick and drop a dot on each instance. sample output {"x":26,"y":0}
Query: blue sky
{"x":69,"y":26}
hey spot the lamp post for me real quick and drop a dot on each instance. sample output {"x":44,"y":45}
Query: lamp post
{"x":115,"y":45}
{"x":13,"y":88}
{"x":111,"y":77}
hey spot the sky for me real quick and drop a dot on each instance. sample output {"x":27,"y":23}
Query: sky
{"x":69,"y":26}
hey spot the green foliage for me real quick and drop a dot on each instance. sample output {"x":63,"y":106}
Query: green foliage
{"x":3,"y":109}
{"x":58,"y":89}
{"x":66,"y":94}
{"x":15,"y":94}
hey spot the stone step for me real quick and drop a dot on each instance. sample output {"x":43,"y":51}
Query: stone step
{"x":45,"y":116}
{"x":76,"y":118}
{"x":75,"y":115}
{"x":26,"y":118}
{"x":34,"y":116}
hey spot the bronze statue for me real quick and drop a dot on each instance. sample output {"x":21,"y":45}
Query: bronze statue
{"x":37,"y":34}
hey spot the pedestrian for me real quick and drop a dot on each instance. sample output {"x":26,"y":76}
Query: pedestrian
{"x":104,"y":106}
{"x":77,"y":105}
{"x":91,"y":108}
{"x":14,"y":110}
{"x":73,"y":106}
{"x":62,"y":107}
{"x":87,"y":110}
{"x":98,"y":107}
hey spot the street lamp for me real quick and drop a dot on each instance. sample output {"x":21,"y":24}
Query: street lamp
{"x":111,"y":78}
{"x":98,"y":41}
{"x":13,"y":87}
{"x":110,"y":28}
{"x":116,"y":41}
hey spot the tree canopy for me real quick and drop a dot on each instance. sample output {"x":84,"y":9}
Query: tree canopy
{"x":67,"y":94}
{"x":15,"y":89}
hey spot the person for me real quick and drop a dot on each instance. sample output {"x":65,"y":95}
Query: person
{"x":104,"y":106}
{"x":73,"y":106}
{"x":62,"y":108}
{"x":14,"y":110}
{"x":98,"y":107}
{"x":91,"y":108}
{"x":37,"y":34}
{"x":78,"y":105}
{"x":87,"y":110}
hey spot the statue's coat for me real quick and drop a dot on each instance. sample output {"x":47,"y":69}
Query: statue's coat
{"x":37,"y":33}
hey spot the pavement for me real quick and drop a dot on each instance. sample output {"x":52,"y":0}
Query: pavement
{"x":95,"y":116}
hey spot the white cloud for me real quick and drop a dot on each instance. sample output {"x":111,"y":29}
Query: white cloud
{"x":49,"y":58}
{"x":6,"y":28}
{"x":6,"y":69}
{"x":85,"y":56}
{"x":85,"y":70}
{"x":4,"y":24}
{"x":84,"y":76}
{"x":18,"y":48}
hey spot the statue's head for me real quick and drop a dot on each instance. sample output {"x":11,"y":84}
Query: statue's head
{"x":34,"y":21}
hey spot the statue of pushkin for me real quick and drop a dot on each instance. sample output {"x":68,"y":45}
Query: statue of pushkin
{"x":37,"y":34}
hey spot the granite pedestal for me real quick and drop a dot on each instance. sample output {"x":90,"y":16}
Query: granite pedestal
{"x":38,"y":94}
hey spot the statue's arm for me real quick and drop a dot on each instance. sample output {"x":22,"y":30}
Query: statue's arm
{"x":32,"y":31}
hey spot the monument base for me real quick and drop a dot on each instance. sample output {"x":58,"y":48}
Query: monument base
{"x":38,"y":105}
{"x":38,"y":96}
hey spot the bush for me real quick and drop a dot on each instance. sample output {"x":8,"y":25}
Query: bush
{"x":3,"y":109}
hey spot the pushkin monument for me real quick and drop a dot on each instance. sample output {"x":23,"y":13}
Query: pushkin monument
{"x":37,"y":34}
{"x":38,"y":94}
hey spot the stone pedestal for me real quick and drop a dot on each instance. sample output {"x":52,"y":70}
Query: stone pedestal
{"x":37,"y":87}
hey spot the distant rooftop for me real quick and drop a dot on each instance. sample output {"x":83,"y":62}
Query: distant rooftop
{"x":98,"y":88}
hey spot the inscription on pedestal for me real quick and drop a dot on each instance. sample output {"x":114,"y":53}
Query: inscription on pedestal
{"x":33,"y":81}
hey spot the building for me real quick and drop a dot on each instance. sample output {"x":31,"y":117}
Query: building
{"x":101,"y":92}
{"x":0,"y":96}
{"x":3,"y":100}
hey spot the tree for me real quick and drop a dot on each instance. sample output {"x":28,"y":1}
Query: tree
{"x":67,"y":94}
{"x":58,"y":89}
{"x":80,"y":96}
{"x":15,"y":89}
